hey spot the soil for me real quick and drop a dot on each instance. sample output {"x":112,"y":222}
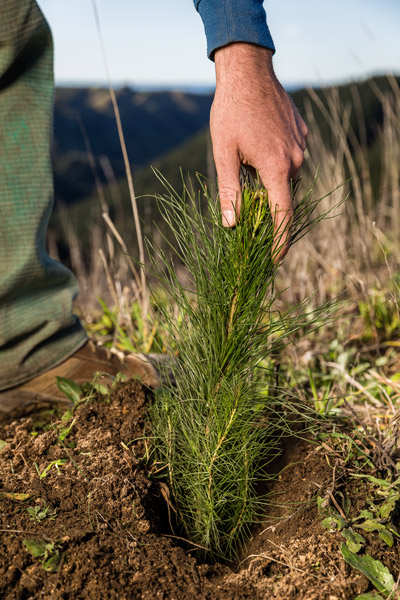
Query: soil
{"x":109,"y":521}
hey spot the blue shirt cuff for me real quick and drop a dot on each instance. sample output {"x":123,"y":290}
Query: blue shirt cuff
{"x":228,"y":21}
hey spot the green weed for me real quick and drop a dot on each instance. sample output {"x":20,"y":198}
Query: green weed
{"x":54,"y":463}
{"x":39,"y":513}
{"x":127,"y":330}
{"x":49,"y":553}
{"x":380,"y":314}
{"x":376,"y":572}
{"x":382,"y":498}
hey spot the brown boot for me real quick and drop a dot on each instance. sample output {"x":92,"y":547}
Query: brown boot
{"x":80,"y":368}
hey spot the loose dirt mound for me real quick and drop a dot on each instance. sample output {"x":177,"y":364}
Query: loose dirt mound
{"x":106,"y":527}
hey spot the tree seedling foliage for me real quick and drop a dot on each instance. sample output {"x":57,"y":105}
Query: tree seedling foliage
{"x":216,"y":429}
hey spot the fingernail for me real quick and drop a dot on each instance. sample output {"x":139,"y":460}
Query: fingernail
{"x":228,"y":218}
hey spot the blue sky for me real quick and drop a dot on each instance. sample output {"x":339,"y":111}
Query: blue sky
{"x":162,"y":41}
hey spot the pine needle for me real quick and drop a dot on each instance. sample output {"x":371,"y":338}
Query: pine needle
{"x":216,"y":428}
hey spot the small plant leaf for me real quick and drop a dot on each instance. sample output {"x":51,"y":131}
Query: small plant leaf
{"x":366,"y":514}
{"x":51,"y":564}
{"x":101,"y":388}
{"x":64,"y":431}
{"x":346,"y":505}
{"x":381,"y":361}
{"x":328,"y":523}
{"x":354,"y":540}
{"x":376,"y":572}
{"x":2,"y":444}
{"x":48,"y":553}
{"x":55,"y":463}
{"x":387,"y":537}
{"x":15,"y":496}
{"x":336,"y":523}
{"x":37,"y":513}
{"x":36,"y":547}
{"x":67,"y":415}
{"x":388,"y":507}
{"x":384,"y":533}
{"x":369,"y":596}
{"x":370,"y":525}
{"x":381,"y":482}
{"x":69,"y":388}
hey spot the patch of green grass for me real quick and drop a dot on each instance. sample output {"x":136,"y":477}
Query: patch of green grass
{"x":380,"y":313}
{"x":126,"y":329}
{"x":355,"y":448}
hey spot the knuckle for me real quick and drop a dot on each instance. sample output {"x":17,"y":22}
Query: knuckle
{"x":280,"y":160}
{"x":280,"y":153}
{"x":297,"y":158}
{"x":227,"y":190}
{"x":227,"y":193}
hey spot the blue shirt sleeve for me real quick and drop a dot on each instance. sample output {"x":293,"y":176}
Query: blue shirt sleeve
{"x":228,"y":21}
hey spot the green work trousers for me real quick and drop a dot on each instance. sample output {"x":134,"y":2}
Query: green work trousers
{"x":38,"y":329}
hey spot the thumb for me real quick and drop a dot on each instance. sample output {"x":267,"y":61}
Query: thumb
{"x":230,"y":191}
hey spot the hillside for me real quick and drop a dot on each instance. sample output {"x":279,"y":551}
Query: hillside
{"x":153,"y":123}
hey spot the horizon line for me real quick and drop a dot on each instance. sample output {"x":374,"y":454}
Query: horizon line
{"x":208,"y":87}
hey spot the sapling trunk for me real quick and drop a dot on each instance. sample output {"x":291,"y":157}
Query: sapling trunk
{"x":214,"y":429}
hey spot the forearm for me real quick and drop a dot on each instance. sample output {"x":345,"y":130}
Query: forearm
{"x":229,"y":21}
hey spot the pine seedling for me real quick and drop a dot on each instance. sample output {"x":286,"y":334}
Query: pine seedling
{"x":215,"y":429}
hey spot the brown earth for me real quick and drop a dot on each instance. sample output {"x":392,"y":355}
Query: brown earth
{"x":110,"y":527}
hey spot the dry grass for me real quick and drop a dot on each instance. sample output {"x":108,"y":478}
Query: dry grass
{"x":353,"y":250}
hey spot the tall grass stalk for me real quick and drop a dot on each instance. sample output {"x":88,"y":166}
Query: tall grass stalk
{"x":216,"y":430}
{"x":138,"y":228}
{"x":354,"y":261}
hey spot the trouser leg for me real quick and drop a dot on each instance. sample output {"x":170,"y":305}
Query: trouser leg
{"x":37,"y":326}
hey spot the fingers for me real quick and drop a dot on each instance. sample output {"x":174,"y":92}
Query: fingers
{"x":278,"y":185}
{"x":230,"y":191}
{"x":280,"y":200}
{"x":297,"y":155}
{"x":304,"y":129}
{"x":301,"y":125}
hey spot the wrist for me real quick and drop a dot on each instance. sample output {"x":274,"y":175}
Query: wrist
{"x":242,"y":60}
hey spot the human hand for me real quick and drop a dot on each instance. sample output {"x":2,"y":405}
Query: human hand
{"x":254,"y":122}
